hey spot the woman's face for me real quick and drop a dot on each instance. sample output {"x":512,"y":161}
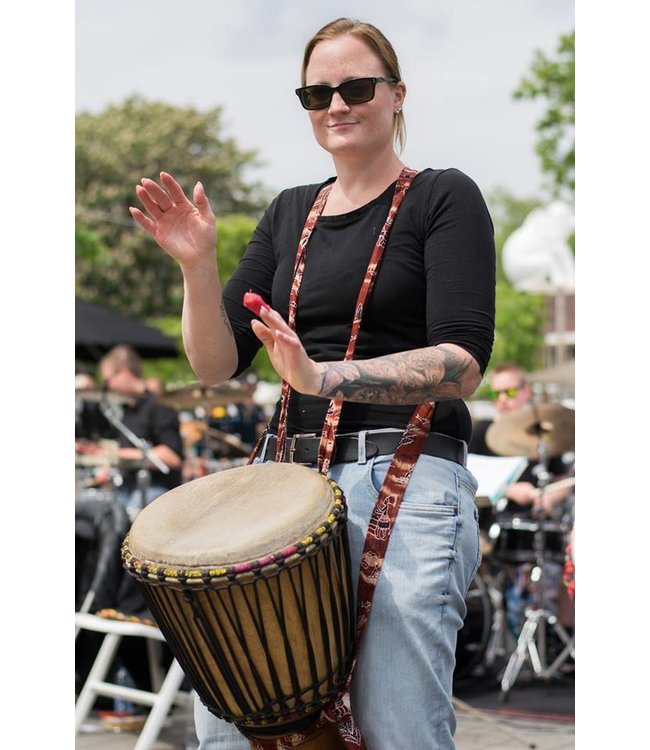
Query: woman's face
{"x":352,"y":129}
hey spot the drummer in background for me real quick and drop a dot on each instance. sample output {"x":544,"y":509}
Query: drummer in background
{"x":155,"y":385}
{"x":511,"y":390}
{"x":151,"y":421}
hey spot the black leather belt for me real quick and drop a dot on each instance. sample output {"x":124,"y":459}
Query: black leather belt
{"x":303,"y":449}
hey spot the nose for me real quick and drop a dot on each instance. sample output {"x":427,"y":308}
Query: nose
{"x":338,"y":103}
{"x":502,"y":401}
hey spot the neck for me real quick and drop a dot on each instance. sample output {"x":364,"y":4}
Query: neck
{"x":360,"y":179}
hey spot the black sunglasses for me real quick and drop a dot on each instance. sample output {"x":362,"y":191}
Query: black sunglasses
{"x":356,"y":91}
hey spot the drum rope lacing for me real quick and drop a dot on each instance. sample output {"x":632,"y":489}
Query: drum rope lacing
{"x":397,"y":477}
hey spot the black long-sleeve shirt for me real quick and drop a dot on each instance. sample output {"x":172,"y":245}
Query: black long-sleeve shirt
{"x":436,"y":284}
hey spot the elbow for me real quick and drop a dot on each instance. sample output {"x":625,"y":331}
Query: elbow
{"x":214,"y":372}
{"x":469,"y":384}
{"x":471,"y":378}
{"x":461,"y":369}
{"x":212,"y":378}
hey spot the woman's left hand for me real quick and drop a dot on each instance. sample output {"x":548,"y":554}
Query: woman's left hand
{"x":286,"y":353}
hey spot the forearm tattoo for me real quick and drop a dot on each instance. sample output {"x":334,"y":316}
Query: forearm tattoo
{"x":225,"y":318}
{"x":432,"y":374}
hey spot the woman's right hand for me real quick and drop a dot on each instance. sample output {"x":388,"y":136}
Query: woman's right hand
{"x":185,"y":230}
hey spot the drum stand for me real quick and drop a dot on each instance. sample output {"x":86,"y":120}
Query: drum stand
{"x":532,"y":639}
{"x":144,"y":474}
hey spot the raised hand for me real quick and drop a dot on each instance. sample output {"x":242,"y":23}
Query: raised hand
{"x":185,"y":230}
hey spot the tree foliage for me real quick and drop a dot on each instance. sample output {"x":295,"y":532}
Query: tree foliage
{"x":118,"y":264}
{"x":553,"y":80}
{"x":520,"y":316}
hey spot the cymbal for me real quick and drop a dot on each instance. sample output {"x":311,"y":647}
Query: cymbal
{"x":197,"y":394}
{"x":90,"y":461}
{"x":521,"y":432}
{"x":97,"y":453}
{"x":100,"y":396}
{"x":232,"y":441}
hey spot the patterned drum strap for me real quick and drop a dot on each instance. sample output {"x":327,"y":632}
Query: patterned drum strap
{"x":328,"y":435}
{"x":298,"y":270}
{"x":397,"y":476}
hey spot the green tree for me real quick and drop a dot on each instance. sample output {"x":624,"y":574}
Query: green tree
{"x":553,"y":80}
{"x":519,"y":318}
{"x":117,"y":264}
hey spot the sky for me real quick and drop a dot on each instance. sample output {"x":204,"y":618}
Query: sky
{"x":461,"y":61}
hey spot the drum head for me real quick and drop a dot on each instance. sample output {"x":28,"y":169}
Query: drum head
{"x":232,"y":516}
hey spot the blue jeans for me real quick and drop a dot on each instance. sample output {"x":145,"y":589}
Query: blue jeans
{"x":401,"y":692}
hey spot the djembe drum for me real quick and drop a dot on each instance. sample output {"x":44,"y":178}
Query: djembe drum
{"x":247,"y":573}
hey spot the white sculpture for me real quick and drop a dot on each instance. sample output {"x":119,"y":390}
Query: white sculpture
{"x":537,"y":257}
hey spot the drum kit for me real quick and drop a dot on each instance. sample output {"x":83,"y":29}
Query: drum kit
{"x":208,"y":448}
{"x":537,"y":432}
{"x":94,"y":459}
{"x":99,"y":470}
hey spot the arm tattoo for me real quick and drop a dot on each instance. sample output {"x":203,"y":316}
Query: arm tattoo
{"x":225,"y":318}
{"x":431,"y":374}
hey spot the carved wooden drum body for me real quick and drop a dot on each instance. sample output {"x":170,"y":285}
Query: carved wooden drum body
{"x":247,"y":573}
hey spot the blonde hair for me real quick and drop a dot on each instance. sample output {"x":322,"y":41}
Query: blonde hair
{"x":378,"y":43}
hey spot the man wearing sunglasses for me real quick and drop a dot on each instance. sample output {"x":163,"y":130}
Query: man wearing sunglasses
{"x":510,"y":390}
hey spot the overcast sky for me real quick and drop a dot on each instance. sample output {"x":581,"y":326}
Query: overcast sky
{"x":461,"y":60}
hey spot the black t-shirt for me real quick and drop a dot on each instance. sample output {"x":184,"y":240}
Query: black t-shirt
{"x":436,"y":284}
{"x":147,"y":419}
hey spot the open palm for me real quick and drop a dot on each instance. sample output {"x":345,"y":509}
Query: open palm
{"x":183,"y":229}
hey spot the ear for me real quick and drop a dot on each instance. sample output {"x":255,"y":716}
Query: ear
{"x":399,"y":95}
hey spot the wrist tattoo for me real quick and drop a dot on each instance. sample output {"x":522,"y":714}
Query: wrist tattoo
{"x":432,"y":374}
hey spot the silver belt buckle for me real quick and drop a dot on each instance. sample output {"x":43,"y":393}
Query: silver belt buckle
{"x":293,"y":446}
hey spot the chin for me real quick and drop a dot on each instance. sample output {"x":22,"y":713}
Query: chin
{"x":340,"y":146}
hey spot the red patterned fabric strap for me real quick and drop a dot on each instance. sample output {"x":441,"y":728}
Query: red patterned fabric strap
{"x":384,"y":514}
{"x":333,"y":416}
{"x":397,"y":477}
{"x":569,"y":572}
{"x":298,"y":270}
{"x":336,"y":713}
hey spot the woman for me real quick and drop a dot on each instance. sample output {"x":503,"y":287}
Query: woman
{"x":426,"y":336}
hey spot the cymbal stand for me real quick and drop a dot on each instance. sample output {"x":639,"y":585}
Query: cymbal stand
{"x":148,"y":456}
{"x":502,"y":641}
{"x":203,"y":412}
{"x":532,"y":642}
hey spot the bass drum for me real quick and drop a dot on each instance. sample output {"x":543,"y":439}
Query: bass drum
{"x":474,"y":636}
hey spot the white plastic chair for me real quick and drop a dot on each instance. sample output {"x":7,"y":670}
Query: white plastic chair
{"x":166,"y":688}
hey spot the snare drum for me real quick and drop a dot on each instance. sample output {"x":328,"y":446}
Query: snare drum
{"x":247,"y":573}
{"x":514,"y":539}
